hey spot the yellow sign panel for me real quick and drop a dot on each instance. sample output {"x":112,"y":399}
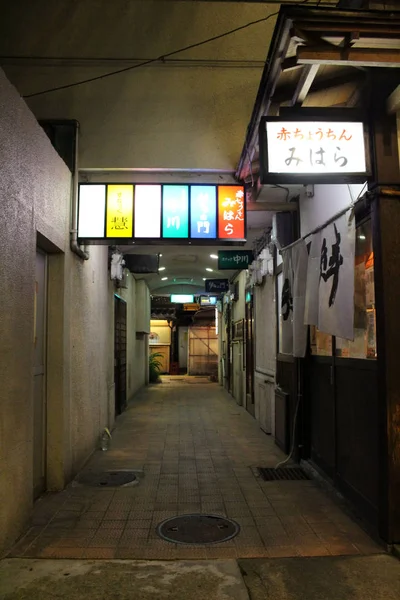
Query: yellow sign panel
{"x":192,"y":306}
{"x":119,"y":211}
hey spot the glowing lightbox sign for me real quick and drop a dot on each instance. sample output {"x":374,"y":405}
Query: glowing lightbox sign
{"x":326,"y":150}
{"x":182,"y":298}
{"x":175,"y":211}
{"x":119,"y":211}
{"x":198,"y":214}
{"x":230,"y":212}
{"x":147,"y":211}
{"x":203,"y":212}
{"x":92,"y":205}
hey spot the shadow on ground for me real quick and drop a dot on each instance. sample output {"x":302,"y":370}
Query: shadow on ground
{"x":323,"y":578}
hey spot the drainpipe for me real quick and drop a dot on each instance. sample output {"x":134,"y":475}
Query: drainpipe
{"x":75,"y":247}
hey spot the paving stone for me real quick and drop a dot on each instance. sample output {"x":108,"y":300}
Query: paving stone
{"x":196,"y":453}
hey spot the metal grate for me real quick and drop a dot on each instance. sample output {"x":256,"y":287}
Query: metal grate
{"x":198,"y":529}
{"x":283,"y":474}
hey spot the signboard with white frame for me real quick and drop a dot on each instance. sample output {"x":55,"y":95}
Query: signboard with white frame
{"x":312,"y":146}
{"x":134,"y":213}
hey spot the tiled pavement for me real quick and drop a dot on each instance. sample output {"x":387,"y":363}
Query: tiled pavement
{"x":197,"y":450}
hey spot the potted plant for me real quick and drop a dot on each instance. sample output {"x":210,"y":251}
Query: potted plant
{"x":154,"y":367}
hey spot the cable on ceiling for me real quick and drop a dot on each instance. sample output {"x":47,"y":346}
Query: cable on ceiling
{"x":159,"y":58}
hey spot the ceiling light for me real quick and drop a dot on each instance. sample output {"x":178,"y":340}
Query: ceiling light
{"x":204,"y":278}
{"x":160,"y":255}
{"x":164,"y":278}
{"x":161,"y":268}
{"x":361,"y":237}
{"x":214,"y":256}
{"x":208,"y":269}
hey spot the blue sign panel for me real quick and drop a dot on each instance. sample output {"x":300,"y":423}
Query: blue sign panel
{"x":203,"y":211}
{"x":175,"y":206}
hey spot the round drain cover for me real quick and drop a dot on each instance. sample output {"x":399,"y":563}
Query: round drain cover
{"x":107,"y":479}
{"x":198,"y":529}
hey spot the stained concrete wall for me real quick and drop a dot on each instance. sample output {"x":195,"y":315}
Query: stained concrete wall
{"x":35,"y":191}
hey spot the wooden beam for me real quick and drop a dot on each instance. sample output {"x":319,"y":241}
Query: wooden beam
{"x":393,"y":103}
{"x":272,"y":206}
{"x":305,"y":82}
{"x":326,"y":55}
{"x":285,"y":93}
{"x":290,"y":63}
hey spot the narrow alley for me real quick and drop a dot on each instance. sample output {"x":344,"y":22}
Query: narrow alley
{"x":194,"y":451}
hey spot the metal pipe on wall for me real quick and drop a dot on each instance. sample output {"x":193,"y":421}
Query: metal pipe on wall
{"x":75,"y":247}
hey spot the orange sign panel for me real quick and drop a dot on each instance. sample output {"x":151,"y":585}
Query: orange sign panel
{"x":231,"y":212}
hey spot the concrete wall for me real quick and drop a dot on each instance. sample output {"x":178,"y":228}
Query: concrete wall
{"x":137,"y":297}
{"x":326,"y":202}
{"x":35,"y":190}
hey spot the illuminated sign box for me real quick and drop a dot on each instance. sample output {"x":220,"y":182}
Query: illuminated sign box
{"x":163,"y":213}
{"x":330,"y":146}
{"x":182,"y":298}
{"x":208,"y":300}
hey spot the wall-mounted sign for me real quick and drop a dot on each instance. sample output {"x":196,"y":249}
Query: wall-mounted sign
{"x":217,"y":286}
{"x":147,"y":202}
{"x":203,"y":212}
{"x":113,"y":213}
{"x":234,"y":259}
{"x":182,"y":298}
{"x":231,"y":212}
{"x":208,"y":300}
{"x":175,"y":211}
{"x":119,"y":211}
{"x":142,"y":263}
{"x":193,"y":306}
{"x":331,"y":149}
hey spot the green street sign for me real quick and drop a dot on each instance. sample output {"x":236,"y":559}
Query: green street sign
{"x":234,"y":259}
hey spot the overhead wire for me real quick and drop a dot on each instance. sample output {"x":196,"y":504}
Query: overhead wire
{"x":160,"y":58}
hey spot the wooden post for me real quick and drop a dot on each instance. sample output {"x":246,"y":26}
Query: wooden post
{"x":386,"y":242}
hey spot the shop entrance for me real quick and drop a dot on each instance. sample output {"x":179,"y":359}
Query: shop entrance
{"x":341,"y":379}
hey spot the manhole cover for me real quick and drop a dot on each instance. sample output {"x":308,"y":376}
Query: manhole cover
{"x":198,"y":529}
{"x":284,"y":474}
{"x":107,"y":479}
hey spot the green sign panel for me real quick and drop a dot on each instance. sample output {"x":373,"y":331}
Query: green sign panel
{"x":234,"y":259}
{"x":175,"y":206}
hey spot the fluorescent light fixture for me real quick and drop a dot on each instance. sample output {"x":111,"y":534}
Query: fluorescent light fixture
{"x":214,"y":256}
{"x":182,"y":298}
{"x":164,"y":278}
{"x":208,"y":269}
{"x":161,"y":268}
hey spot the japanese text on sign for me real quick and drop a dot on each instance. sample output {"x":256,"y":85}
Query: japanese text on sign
{"x":315,"y":147}
{"x":119,"y":211}
{"x":230,"y":212}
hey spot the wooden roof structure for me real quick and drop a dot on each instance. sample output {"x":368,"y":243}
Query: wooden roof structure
{"x":321,"y":57}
